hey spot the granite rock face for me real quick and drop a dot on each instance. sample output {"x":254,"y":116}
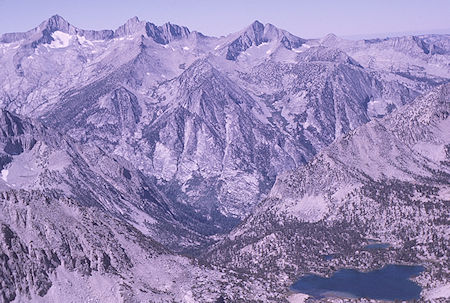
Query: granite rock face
{"x":177,"y":137}
{"x":212,"y":132}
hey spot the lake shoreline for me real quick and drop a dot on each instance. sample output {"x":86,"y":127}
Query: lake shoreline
{"x":390,"y":282}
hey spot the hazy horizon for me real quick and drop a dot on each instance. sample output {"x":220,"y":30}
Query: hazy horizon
{"x":349,"y":18}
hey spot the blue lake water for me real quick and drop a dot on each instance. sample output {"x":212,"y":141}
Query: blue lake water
{"x":329,"y":257}
{"x":388,"y":283}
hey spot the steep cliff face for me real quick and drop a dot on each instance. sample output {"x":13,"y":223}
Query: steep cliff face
{"x":34,"y":157}
{"x":79,"y":224}
{"x":212,"y":144}
{"x":75,"y":220}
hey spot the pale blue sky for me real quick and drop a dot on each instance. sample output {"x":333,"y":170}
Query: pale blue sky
{"x":314,"y":18}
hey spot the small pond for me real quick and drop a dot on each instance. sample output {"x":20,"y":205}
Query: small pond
{"x":388,"y":283}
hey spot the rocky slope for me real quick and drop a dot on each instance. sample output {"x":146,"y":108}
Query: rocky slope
{"x":91,"y":256}
{"x":388,"y":181}
{"x":77,"y":224}
{"x":35,"y":157}
{"x":212,"y":120}
{"x":172,"y":138}
{"x":70,"y":214}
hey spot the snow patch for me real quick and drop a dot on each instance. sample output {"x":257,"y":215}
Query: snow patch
{"x":379,"y":107}
{"x":142,"y":219}
{"x":262,"y":113}
{"x":61,"y":40}
{"x":5,"y":173}
{"x":186,"y":48}
{"x":83,"y":41}
{"x":293,"y":107}
{"x":301,"y":48}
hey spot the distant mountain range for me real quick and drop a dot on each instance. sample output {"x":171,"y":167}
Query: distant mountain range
{"x":164,"y":164}
{"x":441,"y":31}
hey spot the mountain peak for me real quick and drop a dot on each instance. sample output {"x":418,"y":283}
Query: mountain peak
{"x":173,"y":31}
{"x":258,"y":33}
{"x":132,"y":26}
{"x":55,"y":23}
{"x":55,"y":19}
{"x":256,"y":25}
{"x":256,"y":30}
{"x":134,"y":19}
{"x":43,"y":32}
{"x":160,"y":34}
{"x":330,"y":40}
{"x":166,"y":33}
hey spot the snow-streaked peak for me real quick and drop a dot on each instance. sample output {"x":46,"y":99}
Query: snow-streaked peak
{"x":256,"y":34}
{"x":56,"y":23}
{"x":43,"y":33}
